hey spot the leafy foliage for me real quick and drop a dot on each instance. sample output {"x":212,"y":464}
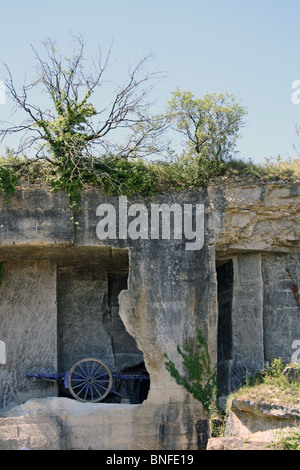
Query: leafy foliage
{"x":211,"y":124}
{"x":289,"y":440}
{"x":71,"y":139}
{"x":71,"y":135}
{"x":8,"y":180}
{"x":267,"y":374}
{"x":66,"y":134}
{"x":127,"y":177}
{"x":269,"y":384}
{"x":201,"y":379}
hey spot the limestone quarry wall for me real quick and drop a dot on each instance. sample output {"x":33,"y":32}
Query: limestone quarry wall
{"x":131,"y":300}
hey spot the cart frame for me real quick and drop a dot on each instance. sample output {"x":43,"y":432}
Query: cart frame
{"x":88,"y":380}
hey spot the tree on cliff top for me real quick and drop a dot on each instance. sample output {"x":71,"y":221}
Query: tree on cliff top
{"x":72,"y":124}
{"x":70,"y":133}
{"x":74,"y":136}
{"x":210,"y":124}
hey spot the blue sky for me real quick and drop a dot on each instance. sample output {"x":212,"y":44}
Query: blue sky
{"x":248,"y":48}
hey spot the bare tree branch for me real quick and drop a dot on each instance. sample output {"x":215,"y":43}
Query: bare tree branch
{"x":71,"y":120}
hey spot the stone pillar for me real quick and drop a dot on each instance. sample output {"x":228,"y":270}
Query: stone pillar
{"x":247,"y":318}
{"x":281,"y":274}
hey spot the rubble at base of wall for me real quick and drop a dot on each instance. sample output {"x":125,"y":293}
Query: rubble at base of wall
{"x":256,"y":426}
{"x":237,"y":443}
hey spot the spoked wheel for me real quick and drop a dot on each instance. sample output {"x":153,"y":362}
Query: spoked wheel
{"x":90,"y":380}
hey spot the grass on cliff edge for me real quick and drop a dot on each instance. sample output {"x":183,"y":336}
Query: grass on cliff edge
{"x":274,"y":169}
{"x":182,"y":175}
{"x":270,"y":385}
{"x":121,"y":176}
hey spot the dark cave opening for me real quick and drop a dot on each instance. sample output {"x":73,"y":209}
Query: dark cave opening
{"x":89,"y":326}
{"x":224,"y":342}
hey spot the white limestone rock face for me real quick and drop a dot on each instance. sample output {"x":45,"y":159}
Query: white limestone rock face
{"x":171,"y":292}
{"x":65,"y":424}
{"x":254,"y":217}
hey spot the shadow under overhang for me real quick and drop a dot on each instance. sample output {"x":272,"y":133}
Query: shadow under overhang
{"x":106,"y":256}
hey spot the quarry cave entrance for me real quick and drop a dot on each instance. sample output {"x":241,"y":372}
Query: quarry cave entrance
{"x":224,"y":342}
{"x":89,"y":324}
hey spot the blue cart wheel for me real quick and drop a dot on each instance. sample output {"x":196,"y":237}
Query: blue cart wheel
{"x":90,"y":380}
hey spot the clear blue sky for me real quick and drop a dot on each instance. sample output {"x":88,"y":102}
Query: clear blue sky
{"x":249,"y":48}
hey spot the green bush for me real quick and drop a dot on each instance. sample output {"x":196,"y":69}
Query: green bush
{"x":8,"y":180}
{"x":124,"y":176}
{"x":289,"y":441}
{"x":137,"y":176}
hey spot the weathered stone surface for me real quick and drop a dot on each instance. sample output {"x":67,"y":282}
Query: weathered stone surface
{"x":260,"y":421}
{"x":263,"y":410}
{"x":28,"y":327}
{"x":247,"y":318}
{"x":292,"y":374}
{"x":281,"y":278}
{"x":35,"y":216}
{"x":248,"y":217}
{"x":255,"y":426}
{"x":65,"y":424}
{"x":170,"y":293}
{"x":154,"y":310}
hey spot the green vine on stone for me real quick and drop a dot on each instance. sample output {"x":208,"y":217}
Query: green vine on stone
{"x":201,"y":378}
{"x":8,"y":180}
